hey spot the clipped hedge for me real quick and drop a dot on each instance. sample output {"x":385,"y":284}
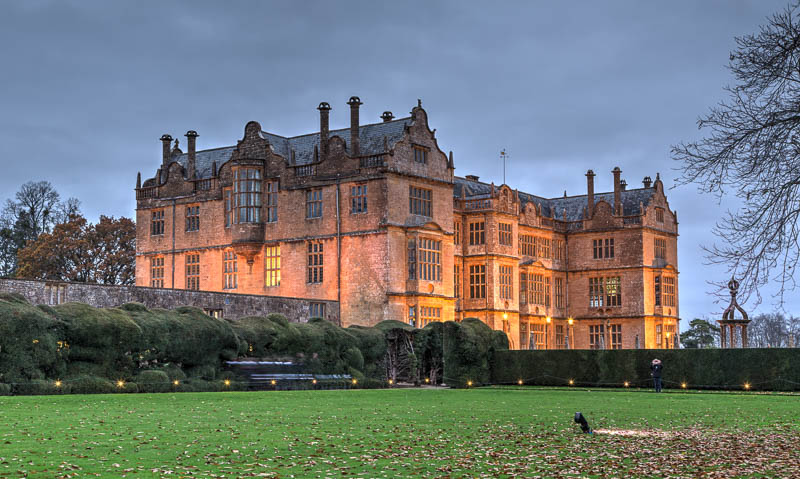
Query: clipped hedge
{"x":762,"y":369}
{"x":89,"y":349}
{"x":469,"y":348}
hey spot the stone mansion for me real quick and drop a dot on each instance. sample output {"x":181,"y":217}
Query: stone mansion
{"x":372,"y":217}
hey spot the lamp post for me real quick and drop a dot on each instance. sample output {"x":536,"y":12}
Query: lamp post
{"x":547,"y":333}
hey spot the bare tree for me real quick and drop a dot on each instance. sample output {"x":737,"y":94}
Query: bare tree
{"x":751,"y":149}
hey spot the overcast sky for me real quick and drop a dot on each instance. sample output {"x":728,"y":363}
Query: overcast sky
{"x":87,"y":88}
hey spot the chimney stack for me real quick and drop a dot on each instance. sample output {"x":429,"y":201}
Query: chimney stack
{"x":387,"y":116}
{"x":617,"y":191}
{"x":623,"y":185}
{"x":324,"y":112}
{"x":166,"y":140}
{"x":647,"y":181}
{"x":191,"y":145}
{"x":355,"y":147}
{"x":590,"y":193}
{"x":138,"y":180}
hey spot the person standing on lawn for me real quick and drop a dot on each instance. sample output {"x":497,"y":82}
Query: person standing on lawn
{"x":655,"y":371}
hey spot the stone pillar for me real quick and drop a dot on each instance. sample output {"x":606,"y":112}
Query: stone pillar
{"x":722,"y":338}
{"x":744,"y":335}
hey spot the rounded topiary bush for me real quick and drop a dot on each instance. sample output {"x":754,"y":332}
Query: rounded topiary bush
{"x":36,"y":387}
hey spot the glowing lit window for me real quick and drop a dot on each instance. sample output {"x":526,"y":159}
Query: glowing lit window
{"x":272,"y":270}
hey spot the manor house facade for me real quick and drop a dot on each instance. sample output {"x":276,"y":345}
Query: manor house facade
{"x":372,"y":217}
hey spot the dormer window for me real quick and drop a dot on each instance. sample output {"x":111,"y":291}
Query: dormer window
{"x":420,"y":154}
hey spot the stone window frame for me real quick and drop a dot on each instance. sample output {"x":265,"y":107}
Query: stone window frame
{"x":271,"y":187}
{"x":660,"y":248}
{"x":429,"y":314}
{"x":157,"y":222}
{"x":272,"y":266}
{"x":613,"y":291}
{"x":316,"y":262}
{"x":669,"y":290}
{"x":536,"y":289}
{"x":596,"y":292}
{"x":477,"y":281}
{"x":192,"y":271}
{"x":659,"y":335}
{"x":506,"y":281}
{"x":412,"y":315}
{"x":544,"y":247}
{"x":314,"y":203}
{"x":504,"y":234}
{"x":523,"y":335}
{"x":457,"y":232}
{"x":537,"y":335}
{"x":526,"y":245}
{"x":477,"y":233}
{"x":316,"y":310}
{"x":420,"y":201}
{"x":615,"y":331}
{"x":157,"y":271}
{"x":247,"y":191}
{"x":597,"y":336}
{"x":421,"y":154}
{"x":660,"y":214}
{"x":192,"y":218}
{"x":358,"y":199}
{"x":657,"y":290}
{"x":523,"y":287}
{"x":457,"y":280}
{"x":230,"y":270}
{"x":227,"y":201}
{"x":558,"y":292}
{"x":560,"y":339}
{"x":603,"y":248}
{"x":429,"y":255}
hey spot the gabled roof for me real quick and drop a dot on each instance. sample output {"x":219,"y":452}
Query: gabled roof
{"x":574,"y":205}
{"x":371,"y":140}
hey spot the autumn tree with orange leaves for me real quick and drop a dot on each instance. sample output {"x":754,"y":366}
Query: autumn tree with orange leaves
{"x":77,"y":250}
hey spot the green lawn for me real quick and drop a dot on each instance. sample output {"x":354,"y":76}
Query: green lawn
{"x":503,"y":432}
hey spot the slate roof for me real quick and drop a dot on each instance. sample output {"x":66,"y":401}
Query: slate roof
{"x":574,"y":205}
{"x":371,"y":139}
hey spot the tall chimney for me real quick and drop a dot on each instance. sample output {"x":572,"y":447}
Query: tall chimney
{"x":617,"y":191}
{"x":387,"y":116}
{"x":191,"y":144}
{"x":138,"y":180}
{"x":324,"y":113}
{"x":590,"y":193}
{"x":354,"y":103}
{"x":166,"y":140}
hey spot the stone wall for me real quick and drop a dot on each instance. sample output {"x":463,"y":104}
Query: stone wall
{"x":227,"y":305}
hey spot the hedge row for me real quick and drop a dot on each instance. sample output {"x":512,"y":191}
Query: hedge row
{"x":90,"y":349}
{"x":759,"y":369}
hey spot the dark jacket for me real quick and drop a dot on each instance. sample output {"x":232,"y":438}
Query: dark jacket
{"x":655,"y":370}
